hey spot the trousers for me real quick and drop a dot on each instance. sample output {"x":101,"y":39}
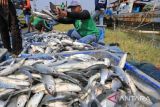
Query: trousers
{"x":87,"y":39}
{"x":9,"y":24}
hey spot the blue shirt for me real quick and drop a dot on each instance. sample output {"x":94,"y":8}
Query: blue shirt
{"x":108,"y":12}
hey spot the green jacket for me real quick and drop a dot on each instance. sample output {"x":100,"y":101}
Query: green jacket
{"x":39,"y":22}
{"x":83,"y":23}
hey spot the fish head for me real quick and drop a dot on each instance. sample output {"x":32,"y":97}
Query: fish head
{"x":50,"y":89}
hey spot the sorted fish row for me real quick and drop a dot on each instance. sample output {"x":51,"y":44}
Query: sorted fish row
{"x":51,"y":43}
{"x":76,"y":81}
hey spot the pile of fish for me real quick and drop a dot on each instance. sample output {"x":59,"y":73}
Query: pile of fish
{"x":76,"y":81}
{"x":79,"y":80}
{"x":50,"y":43}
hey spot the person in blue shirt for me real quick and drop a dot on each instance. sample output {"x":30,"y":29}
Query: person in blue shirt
{"x":100,"y":7}
{"x":108,"y":12}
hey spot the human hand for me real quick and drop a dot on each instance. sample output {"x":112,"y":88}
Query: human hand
{"x":61,"y":13}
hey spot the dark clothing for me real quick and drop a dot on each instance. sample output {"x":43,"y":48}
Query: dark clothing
{"x":83,"y":23}
{"x":72,"y":17}
{"x":100,"y":5}
{"x":27,"y":7}
{"x":27,"y":12}
{"x":9,"y":22}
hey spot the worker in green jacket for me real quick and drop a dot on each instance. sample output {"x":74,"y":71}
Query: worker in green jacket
{"x":41,"y":24}
{"x":85,"y":28}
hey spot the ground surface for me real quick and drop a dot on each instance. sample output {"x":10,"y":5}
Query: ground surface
{"x":140,"y":50}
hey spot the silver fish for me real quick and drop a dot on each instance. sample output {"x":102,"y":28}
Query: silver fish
{"x":2,"y":103}
{"x":6,"y":85}
{"x":22,"y":100}
{"x":37,"y":48}
{"x":6,"y":92}
{"x":57,"y":104}
{"x":14,"y":81}
{"x":123,"y":61}
{"x":120,"y":72}
{"x":11,"y":69}
{"x":32,"y":62}
{"x":49,"y":84}
{"x":105,"y":75}
{"x":41,"y":15}
{"x":41,"y":68}
{"x":67,"y":87}
{"x":73,"y":66}
{"x":60,"y":87}
{"x":116,"y":84}
{"x":48,"y":50}
{"x":24,"y":77}
{"x":48,"y":13}
{"x":82,"y":57}
{"x":35,"y":99}
{"x":13,"y":102}
{"x":91,"y":80}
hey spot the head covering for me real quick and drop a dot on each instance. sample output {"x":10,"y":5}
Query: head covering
{"x":74,"y":3}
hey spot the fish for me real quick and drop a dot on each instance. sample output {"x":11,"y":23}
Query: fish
{"x":120,"y":73}
{"x":93,"y":101}
{"x":32,"y":62}
{"x":91,"y":80}
{"x":57,"y":104}
{"x":35,"y":99}
{"x":105,"y":75}
{"x":37,"y":48}
{"x":69,"y":87}
{"x":50,"y":72}
{"x":49,"y":14}
{"x":12,"y":102}
{"x":24,"y":77}
{"x":2,"y":103}
{"x":116,"y":84}
{"x":49,"y":83}
{"x":7,"y":62}
{"x":45,"y":16}
{"x":123,"y":60}
{"x":59,"y":97}
{"x":41,"y":68}
{"x":48,"y":50}
{"x":6,"y":92}
{"x":74,"y":66}
{"x":14,"y":81}
{"x":12,"y":68}
{"x":6,"y":85}
{"x":82,"y":57}
{"x":60,"y":87}
{"x":22,"y":100}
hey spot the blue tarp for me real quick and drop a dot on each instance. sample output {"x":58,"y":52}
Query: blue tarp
{"x":148,"y":69}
